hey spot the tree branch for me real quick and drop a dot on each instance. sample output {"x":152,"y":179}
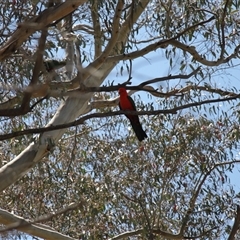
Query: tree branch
{"x":97,"y":29}
{"x":113,"y":102}
{"x":191,"y":50}
{"x":81,"y":121}
{"x":35,"y":229}
{"x":69,"y":48}
{"x":201,"y":235}
{"x":25,"y":105}
{"x":222,"y":24}
{"x":60,"y":89}
{"x":24,"y":223}
{"x":194,"y":197}
{"x":141,"y":230}
{"x":138,"y":87}
{"x":110,"y":114}
{"x":37,"y":23}
{"x":154,"y":231}
{"x":180,"y":76}
{"x":203,"y":88}
{"x":115,"y":31}
{"x":154,"y":46}
{"x":236,"y":224}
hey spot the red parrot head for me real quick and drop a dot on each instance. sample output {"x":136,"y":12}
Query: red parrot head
{"x":122,"y":91}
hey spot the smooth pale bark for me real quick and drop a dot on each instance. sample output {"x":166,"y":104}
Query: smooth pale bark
{"x":69,"y":110}
{"x":39,"y":230}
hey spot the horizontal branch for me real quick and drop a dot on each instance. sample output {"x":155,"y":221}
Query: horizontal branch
{"x":141,"y":85}
{"x":160,"y":44}
{"x":110,"y":114}
{"x":207,"y":88}
{"x":164,"y":43}
{"x":198,"y":57}
{"x":185,"y":47}
{"x":179,"y":76}
{"x":81,"y":121}
{"x":43,"y":91}
{"x":175,"y":92}
{"x":142,"y":230}
{"x":22,"y":223}
{"x":156,"y":232}
{"x":35,"y":229}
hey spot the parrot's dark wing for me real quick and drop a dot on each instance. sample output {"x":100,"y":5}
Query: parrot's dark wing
{"x":134,"y":120}
{"x":119,"y":106}
{"x":132,"y":102}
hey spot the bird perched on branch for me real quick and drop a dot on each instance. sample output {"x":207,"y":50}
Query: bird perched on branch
{"x":126,"y":103}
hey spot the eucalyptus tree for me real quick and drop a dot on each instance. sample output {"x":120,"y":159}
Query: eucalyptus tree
{"x":70,"y":167}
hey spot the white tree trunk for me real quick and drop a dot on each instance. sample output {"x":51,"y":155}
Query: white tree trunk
{"x":70,"y":109}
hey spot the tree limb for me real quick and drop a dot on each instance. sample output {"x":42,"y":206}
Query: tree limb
{"x":222,"y":24}
{"x":141,"y":230}
{"x":25,"y":105}
{"x":68,"y":111}
{"x":196,"y":193}
{"x":35,"y":229}
{"x":115,"y":31}
{"x":113,"y":102}
{"x":138,"y":87}
{"x":43,"y":91}
{"x":37,"y":23}
{"x":236,"y":224}
{"x":109,"y":114}
{"x":191,"y":50}
{"x":154,"y":46}
{"x":36,"y":70}
{"x":97,"y":29}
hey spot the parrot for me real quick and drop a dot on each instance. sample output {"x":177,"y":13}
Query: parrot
{"x":126,"y":103}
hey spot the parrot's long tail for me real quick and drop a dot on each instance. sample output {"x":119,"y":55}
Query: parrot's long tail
{"x":137,"y":128}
